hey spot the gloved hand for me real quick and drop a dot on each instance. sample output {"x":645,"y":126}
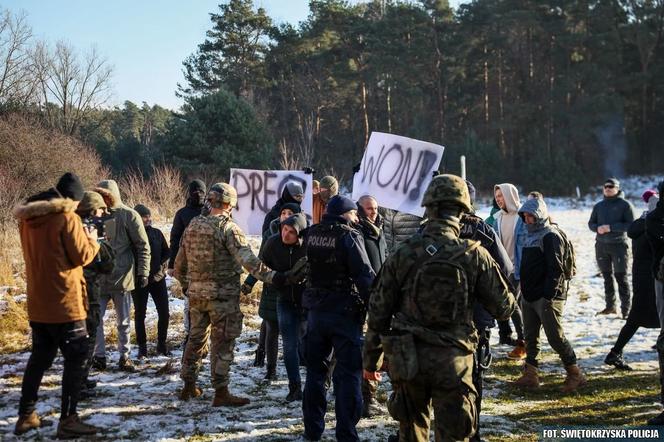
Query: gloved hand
{"x":298,"y":273}
{"x":308,"y":171}
{"x":245,"y":289}
{"x":279,"y":279}
{"x":142,"y":282}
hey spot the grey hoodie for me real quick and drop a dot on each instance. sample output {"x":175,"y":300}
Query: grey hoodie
{"x":129,"y":241}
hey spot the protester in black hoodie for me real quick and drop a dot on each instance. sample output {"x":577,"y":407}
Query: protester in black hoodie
{"x":159,"y":254}
{"x":292,"y":193}
{"x":281,"y":252}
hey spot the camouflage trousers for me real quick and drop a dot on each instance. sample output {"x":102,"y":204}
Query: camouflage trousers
{"x":444,"y":382}
{"x":222,"y":321}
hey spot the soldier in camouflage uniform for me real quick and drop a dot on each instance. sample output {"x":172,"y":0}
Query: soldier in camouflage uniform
{"x":421,"y":317}
{"x":212,"y":253}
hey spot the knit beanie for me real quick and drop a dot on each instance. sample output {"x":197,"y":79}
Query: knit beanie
{"x":196,"y":185}
{"x":338,"y":205}
{"x":70,"y":186}
{"x":293,"y":207}
{"x":331,"y":183}
{"x":648,"y":194}
{"x":142,"y":210}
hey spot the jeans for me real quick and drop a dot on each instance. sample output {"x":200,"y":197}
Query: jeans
{"x":290,"y":325}
{"x":327,"y":331}
{"x":122,"y":304}
{"x":72,"y":340}
{"x":159,"y":294}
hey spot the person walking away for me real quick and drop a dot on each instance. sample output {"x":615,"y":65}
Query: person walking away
{"x":644,"y":309}
{"x":655,"y":235}
{"x":92,"y":210}
{"x":127,"y":236}
{"x":328,"y":187}
{"x":212,"y":253}
{"x":510,"y":229}
{"x":544,"y":291}
{"x":159,"y":257}
{"x":610,"y":219}
{"x":340,"y":277}
{"x":182,"y":218}
{"x":55,"y":247}
{"x":421,"y":318}
{"x":282,"y":252}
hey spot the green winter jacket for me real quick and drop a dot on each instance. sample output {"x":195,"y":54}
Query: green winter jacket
{"x":127,"y":236}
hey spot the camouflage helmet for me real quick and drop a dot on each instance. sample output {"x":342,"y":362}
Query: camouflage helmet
{"x":447,"y":190}
{"x":222,"y":193}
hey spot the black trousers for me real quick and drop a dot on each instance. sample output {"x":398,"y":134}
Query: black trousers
{"x":159,"y":293}
{"x":91,"y":322}
{"x":72,"y":340}
{"x":268,"y":343}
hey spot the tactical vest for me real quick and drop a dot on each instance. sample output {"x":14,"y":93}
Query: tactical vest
{"x":325,"y":271}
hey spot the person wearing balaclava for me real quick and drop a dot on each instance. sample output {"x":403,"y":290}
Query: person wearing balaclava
{"x":329,"y":187}
{"x":610,"y":220}
{"x":195,"y":201}
{"x":56,"y":247}
{"x":293,"y":193}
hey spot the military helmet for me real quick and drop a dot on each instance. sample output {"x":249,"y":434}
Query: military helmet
{"x":222,"y":193}
{"x":447,"y":190}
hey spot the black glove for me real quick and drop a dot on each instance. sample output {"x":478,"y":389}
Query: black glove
{"x":142,"y":282}
{"x":279,"y":279}
{"x":308,"y":171}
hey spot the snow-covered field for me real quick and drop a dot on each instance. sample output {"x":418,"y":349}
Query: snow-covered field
{"x":144,"y":405}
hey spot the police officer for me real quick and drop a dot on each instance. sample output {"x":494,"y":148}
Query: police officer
{"x":209,"y":263}
{"x":340,"y":276}
{"x":421,"y":317}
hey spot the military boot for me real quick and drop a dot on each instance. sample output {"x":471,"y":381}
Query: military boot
{"x":529,"y":378}
{"x":28,"y":422}
{"x":72,"y":427}
{"x":574,"y":379}
{"x":189,"y":391}
{"x":223,"y":397}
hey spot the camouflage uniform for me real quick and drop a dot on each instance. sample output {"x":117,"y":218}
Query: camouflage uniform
{"x":438,"y":322}
{"x":212,"y":253}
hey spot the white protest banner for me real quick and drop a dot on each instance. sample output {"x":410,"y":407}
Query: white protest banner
{"x":396,"y":171}
{"x":259,"y":190}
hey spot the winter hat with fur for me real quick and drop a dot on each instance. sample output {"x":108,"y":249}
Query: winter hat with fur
{"x":70,"y":186}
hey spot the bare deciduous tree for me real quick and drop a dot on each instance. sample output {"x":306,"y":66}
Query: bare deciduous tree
{"x":17,"y":81}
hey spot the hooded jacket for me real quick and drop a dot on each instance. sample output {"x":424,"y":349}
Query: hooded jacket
{"x":509,"y":226}
{"x":127,"y":236}
{"x":286,"y":197}
{"x":542,"y":256}
{"x":181,"y":220}
{"x":55,"y":249}
{"x":615,"y":211}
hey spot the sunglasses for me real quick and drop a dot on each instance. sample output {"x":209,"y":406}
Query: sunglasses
{"x":609,"y":186}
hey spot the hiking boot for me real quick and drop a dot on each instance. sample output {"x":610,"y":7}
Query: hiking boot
{"x":529,"y":378}
{"x":370,"y":407}
{"x":616,"y":359}
{"x":73,"y":427}
{"x":126,"y":364}
{"x":162,"y":349}
{"x":99,"y":363}
{"x":271,"y":374}
{"x":607,"y":311}
{"x":294,"y":392}
{"x":223,"y":397}
{"x":519,"y":351}
{"x":657,"y":420}
{"x":190,"y":391}
{"x":29,"y":422}
{"x":507,"y":340}
{"x":574,"y":379}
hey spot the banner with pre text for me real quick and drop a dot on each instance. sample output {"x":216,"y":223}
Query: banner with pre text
{"x":396,"y":171}
{"x":259,"y":190}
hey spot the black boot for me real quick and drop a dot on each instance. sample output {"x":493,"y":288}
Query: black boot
{"x":617,"y":361}
{"x":142,"y":352}
{"x":163,"y":350}
{"x":294,"y":392}
{"x":99,"y":363}
{"x":271,"y":374}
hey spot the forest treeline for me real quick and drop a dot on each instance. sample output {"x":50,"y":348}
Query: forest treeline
{"x":552,"y":94}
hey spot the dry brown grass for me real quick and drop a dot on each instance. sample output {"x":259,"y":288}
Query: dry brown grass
{"x":163,"y":192}
{"x":14,"y":325}
{"x":11,"y":257}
